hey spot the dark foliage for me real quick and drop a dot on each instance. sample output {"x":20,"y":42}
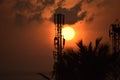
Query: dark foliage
{"x":89,"y":63}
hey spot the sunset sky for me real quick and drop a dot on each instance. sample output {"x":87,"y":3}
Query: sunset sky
{"x":27,"y":30}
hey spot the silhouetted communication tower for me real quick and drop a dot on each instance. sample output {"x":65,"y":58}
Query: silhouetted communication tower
{"x":114,"y":33}
{"x":59,"y":41}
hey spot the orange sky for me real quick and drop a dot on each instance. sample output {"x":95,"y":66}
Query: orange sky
{"x":27,"y":29}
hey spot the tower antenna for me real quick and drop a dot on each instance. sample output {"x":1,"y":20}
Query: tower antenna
{"x":59,"y":41}
{"x":114,"y":33}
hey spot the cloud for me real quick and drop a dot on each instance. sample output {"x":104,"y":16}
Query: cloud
{"x":103,"y":3}
{"x":90,"y":19}
{"x":20,"y":19}
{"x":34,"y":10}
{"x":26,"y":11}
{"x":40,"y":10}
{"x":93,"y":8}
{"x":23,"y":5}
{"x":89,"y":1}
{"x":47,"y":2}
{"x":68,"y":4}
{"x":35,"y":17}
{"x":72,"y":12}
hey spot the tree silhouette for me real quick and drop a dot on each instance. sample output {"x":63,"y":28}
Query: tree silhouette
{"x":88,"y":63}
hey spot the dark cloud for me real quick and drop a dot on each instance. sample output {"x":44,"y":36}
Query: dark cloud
{"x":30,"y":10}
{"x":71,"y":15}
{"x":38,"y":8}
{"x":35,"y":17}
{"x":89,"y":1}
{"x":90,"y":19}
{"x":20,"y":19}
{"x":23,"y":5}
{"x":102,"y":4}
{"x":34,"y":12}
{"x":47,"y":2}
{"x":83,"y":15}
{"x":60,"y":2}
{"x":26,"y":10}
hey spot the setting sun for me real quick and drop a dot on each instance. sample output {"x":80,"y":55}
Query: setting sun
{"x":68,"y":33}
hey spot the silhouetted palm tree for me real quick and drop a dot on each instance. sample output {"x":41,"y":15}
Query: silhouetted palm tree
{"x":89,"y":63}
{"x":94,"y":61}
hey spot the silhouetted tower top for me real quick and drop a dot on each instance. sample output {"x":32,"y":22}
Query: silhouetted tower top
{"x":59,"y":19}
{"x":114,"y":33}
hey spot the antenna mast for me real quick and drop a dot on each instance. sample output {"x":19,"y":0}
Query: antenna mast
{"x":59,"y":41}
{"x":114,"y":33}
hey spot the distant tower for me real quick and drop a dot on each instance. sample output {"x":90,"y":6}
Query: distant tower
{"x":59,"y":41}
{"x":114,"y":33}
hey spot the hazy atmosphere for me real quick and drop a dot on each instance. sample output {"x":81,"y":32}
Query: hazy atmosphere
{"x":27,"y":32}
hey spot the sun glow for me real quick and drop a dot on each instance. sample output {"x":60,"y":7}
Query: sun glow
{"x":68,"y":33}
